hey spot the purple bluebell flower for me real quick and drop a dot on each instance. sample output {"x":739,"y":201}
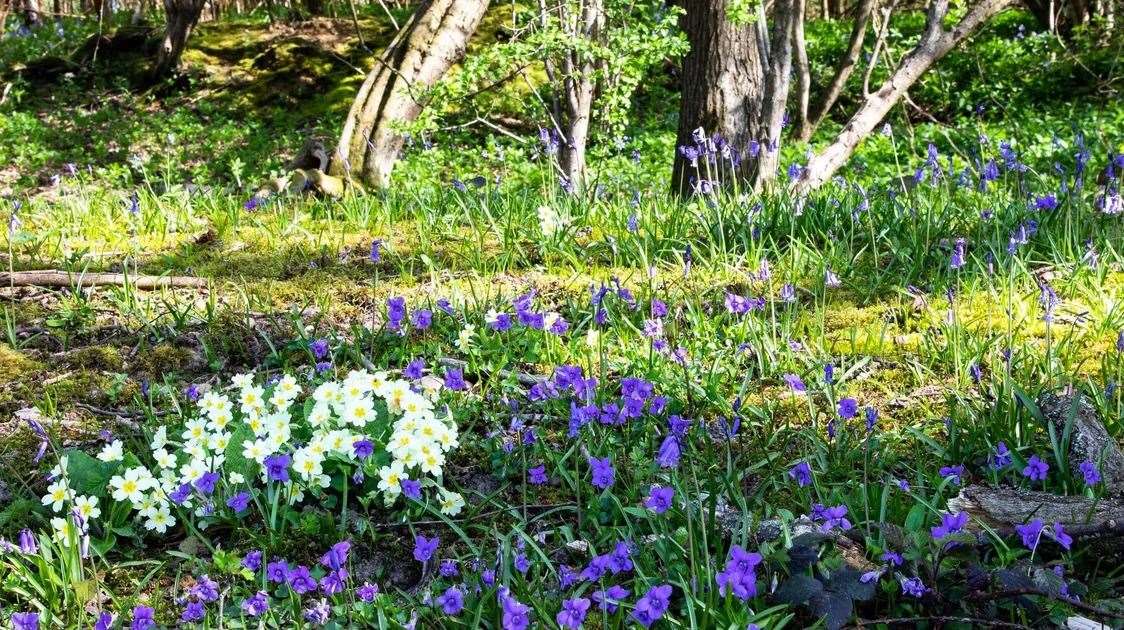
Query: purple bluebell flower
{"x":871,"y":418}
{"x":239,"y":502}
{"x":652,"y":606}
{"x":411,"y":488}
{"x":376,"y":250}
{"x":802,"y":473}
{"x":831,"y":516}
{"x":795,"y":383}
{"x":1030,"y":533}
{"x":367,"y":592}
{"x":573,"y":613}
{"x":28,"y":544}
{"x":194,"y":611}
{"x":319,"y":348}
{"x":1058,"y":533}
{"x":414,"y":369}
{"x":454,"y":379}
{"x":515,"y":614}
{"x":277,"y":467}
{"x":608,"y":599}
{"x":252,"y":560}
{"x":25,"y":621}
{"x":256,"y":605}
{"x":953,"y":473}
{"x":950,"y":524}
{"x":668,"y":454}
{"x":1002,"y":456}
{"x":424,"y":547}
{"x":1036,"y":469}
{"x":336,"y":556}
{"x":537,"y":475}
{"x":659,"y":499}
{"x":892,"y":558}
{"x":1089,"y":471}
{"x":206,"y":482}
{"x":362,"y":449}
{"x":276,"y":571}
{"x":848,"y":407}
{"x":300,"y":580}
{"x":451,"y":601}
{"x":448,"y":568}
{"x":913,"y":587}
{"x":144,"y":618}
{"x":602,"y":472}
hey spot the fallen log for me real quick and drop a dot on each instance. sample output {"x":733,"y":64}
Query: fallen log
{"x":55,"y":278}
{"x":1003,"y":507}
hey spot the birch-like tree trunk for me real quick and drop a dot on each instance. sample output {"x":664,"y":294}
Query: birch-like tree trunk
{"x":935,"y":43}
{"x":434,"y":38}
{"x":32,"y":15}
{"x":843,"y":71}
{"x":803,"y":72}
{"x":577,"y":94}
{"x":775,"y":97}
{"x":181,"y":16}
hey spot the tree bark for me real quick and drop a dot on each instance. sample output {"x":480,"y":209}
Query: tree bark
{"x":722,"y":80}
{"x":803,"y":73}
{"x":935,"y":43}
{"x":428,"y":45}
{"x":32,"y":16}
{"x":777,"y":82}
{"x":182,"y":16}
{"x":843,"y":71}
{"x":577,"y":96}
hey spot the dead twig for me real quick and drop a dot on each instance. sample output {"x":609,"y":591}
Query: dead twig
{"x":56,"y":278}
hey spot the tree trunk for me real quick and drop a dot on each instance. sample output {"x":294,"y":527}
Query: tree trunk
{"x":777,"y":82}
{"x":843,"y":72}
{"x":32,"y":16}
{"x":935,"y":43}
{"x":314,"y":7}
{"x":577,"y":94}
{"x":803,"y":73}
{"x":181,"y":15}
{"x":722,"y":80}
{"x":433,"y":40}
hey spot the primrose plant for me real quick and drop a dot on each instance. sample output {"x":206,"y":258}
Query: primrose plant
{"x":268,"y":447}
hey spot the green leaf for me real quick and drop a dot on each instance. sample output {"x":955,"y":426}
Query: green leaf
{"x":235,"y":460}
{"x":798,"y":589}
{"x":836,"y":609}
{"x":88,"y":475}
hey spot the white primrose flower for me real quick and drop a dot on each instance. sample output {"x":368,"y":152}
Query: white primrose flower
{"x":58,"y":493}
{"x":160,"y":521}
{"x":194,"y":430}
{"x":87,"y":507}
{"x":451,"y":502}
{"x":390,"y":479}
{"x":112,"y":452}
{"x":163,"y":458}
{"x":242,"y":381}
{"x":359,"y":412}
{"x":132,"y":485}
{"x":160,"y":438}
{"x":252,"y":398}
{"x":63,"y":530}
{"x":464,"y":338}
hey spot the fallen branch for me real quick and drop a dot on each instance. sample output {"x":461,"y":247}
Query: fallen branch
{"x":913,"y":621}
{"x":1020,"y":592}
{"x":55,"y":278}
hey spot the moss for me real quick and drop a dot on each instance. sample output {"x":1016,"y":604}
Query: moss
{"x":165,"y":359}
{"x":101,"y":358}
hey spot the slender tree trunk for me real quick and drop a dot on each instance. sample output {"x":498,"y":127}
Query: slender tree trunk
{"x":32,"y":16}
{"x":722,"y":79}
{"x":777,"y":82}
{"x":433,"y":40}
{"x":577,"y":94}
{"x":803,"y":73}
{"x":182,"y":16}
{"x":935,"y":43}
{"x":842,"y":72}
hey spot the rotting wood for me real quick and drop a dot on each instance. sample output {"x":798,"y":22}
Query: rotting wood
{"x":56,"y":278}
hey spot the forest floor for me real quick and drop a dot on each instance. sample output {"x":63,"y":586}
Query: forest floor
{"x":156,"y":182}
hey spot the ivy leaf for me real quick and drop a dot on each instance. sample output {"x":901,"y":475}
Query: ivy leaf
{"x":798,"y":589}
{"x":847,"y":581}
{"x":801,"y":557}
{"x":834,"y":608}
